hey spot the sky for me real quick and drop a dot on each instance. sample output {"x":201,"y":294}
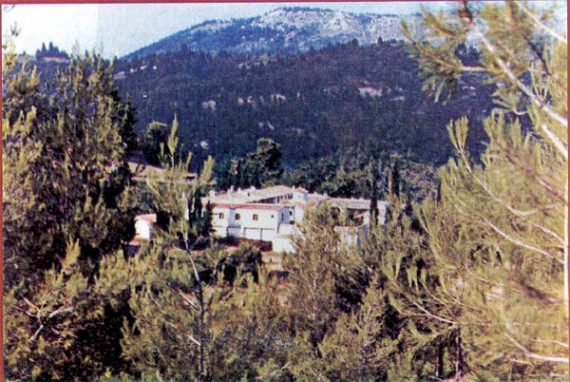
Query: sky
{"x":118,"y":29}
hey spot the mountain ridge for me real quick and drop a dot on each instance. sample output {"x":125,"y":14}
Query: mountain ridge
{"x":285,"y":30}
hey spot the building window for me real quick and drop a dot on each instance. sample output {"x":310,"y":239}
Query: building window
{"x":238,"y":216}
{"x":290,"y":213}
{"x":255,"y":217}
{"x":221,"y":215}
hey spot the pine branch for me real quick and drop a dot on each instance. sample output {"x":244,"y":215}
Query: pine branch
{"x":61,"y":311}
{"x":555,"y":139}
{"x":185,"y":298}
{"x":499,"y":201}
{"x":519,"y":242}
{"x":502,"y":233}
{"x":32,"y":305}
{"x":549,"y":232}
{"x":530,"y":354}
{"x":560,"y":146}
{"x":431,"y":315}
{"x":540,"y":24}
{"x":513,"y":158}
{"x":36,"y":334}
{"x":553,"y":342}
{"x":194,"y":340}
{"x":473,"y":69}
{"x":273,"y":373}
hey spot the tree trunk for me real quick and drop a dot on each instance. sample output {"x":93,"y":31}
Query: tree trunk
{"x":458,"y":356}
{"x":439,"y":361}
{"x":201,"y":371}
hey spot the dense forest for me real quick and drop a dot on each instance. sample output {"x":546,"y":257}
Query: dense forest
{"x":313,"y":104}
{"x":468,"y":283}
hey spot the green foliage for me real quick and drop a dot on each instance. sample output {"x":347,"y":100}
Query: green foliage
{"x":466,"y":285}
{"x":359,"y":348}
{"x":163,"y":338}
{"x":261,"y":167}
{"x":265,"y":163}
{"x":52,"y":51}
{"x":65,"y":180}
{"x":49,"y":330}
{"x":326,"y":276}
{"x":354,"y":174}
{"x":198,"y":322}
{"x":245,"y":259}
{"x":176,"y":200}
{"x":187,"y":323}
{"x":155,"y":135}
{"x":66,"y":192}
{"x":251,"y":333}
{"x":353,"y":309}
{"x":397,"y":253}
{"x":498,"y":235}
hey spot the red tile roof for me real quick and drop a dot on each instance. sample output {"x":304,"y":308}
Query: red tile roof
{"x":151,"y":218}
{"x":249,"y":206}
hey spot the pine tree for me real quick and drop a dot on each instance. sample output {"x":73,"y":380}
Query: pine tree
{"x":66,"y":207}
{"x":70,"y":192}
{"x":264,"y":165}
{"x":359,"y":347}
{"x":394,"y":184}
{"x":155,"y":135}
{"x":251,"y":333}
{"x":398,"y":256}
{"x":499,"y":234}
{"x":179,"y":293}
{"x":324,"y":274}
{"x":206,"y":227}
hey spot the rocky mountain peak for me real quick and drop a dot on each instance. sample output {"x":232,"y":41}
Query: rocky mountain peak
{"x":287,"y":30}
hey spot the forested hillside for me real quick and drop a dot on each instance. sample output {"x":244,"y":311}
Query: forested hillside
{"x":313,"y":104}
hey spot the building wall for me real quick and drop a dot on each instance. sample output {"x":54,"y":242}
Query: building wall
{"x":143,"y":229}
{"x":220,"y":223}
{"x":267,"y":219}
{"x":282,"y":244}
{"x":247,"y":223}
{"x":300,"y":196}
{"x":298,"y":215}
{"x":233,"y":220}
{"x":287,"y":215}
{"x":263,"y":234}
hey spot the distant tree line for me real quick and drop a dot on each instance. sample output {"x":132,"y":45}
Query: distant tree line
{"x":50,"y":51}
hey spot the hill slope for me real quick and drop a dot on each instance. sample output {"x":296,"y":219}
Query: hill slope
{"x":284,"y":30}
{"x":313,"y":104}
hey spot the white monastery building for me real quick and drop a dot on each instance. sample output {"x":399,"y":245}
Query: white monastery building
{"x":270,"y":214}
